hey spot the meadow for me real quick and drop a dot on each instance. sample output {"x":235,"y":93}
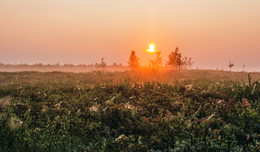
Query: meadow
{"x":188,"y":110}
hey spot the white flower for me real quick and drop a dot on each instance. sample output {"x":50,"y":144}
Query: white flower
{"x":132,"y":97}
{"x":128,"y":106}
{"x":220,"y":101}
{"x":111,"y":101}
{"x":93,"y":108}
{"x":120,"y":137}
{"x":189,"y":87}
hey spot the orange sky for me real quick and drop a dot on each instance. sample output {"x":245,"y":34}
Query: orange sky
{"x":212,"y":32}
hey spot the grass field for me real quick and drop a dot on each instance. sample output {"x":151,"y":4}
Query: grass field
{"x":189,"y":110}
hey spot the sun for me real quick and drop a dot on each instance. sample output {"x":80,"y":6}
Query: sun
{"x":151,"y":48}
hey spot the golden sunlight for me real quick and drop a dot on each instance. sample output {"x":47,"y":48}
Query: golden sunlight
{"x":151,"y":48}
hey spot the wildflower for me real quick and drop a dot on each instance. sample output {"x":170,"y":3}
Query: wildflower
{"x":245,"y":102}
{"x":44,"y":108}
{"x":189,"y":87}
{"x":220,"y":101}
{"x":93,"y":108}
{"x":128,"y":106}
{"x":132,"y":97}
{"x":168,"y":116}
{"x":111,"y":101}
{"x":154,"y":120}
{"x":37,"y":129}
{"x":145,"y":120}
{"x":58,"y":105}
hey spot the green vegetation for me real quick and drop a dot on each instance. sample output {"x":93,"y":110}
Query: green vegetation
{"x":125,"y":111}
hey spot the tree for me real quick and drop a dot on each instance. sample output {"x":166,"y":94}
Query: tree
{"x":176,"y":61}
{"x":114,"y":64}
{"x":157,"y":63}
{"x":103,"y":63}
{"x":158,"y":59}
{"x":133,"y":60}
{"x":178,"y":58}
{"x":230,"y":65}
{"x":187,"y":63}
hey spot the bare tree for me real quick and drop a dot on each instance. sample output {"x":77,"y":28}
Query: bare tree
{"x":187,"y":63}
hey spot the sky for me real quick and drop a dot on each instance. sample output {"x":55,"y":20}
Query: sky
{"x":213,"y":33}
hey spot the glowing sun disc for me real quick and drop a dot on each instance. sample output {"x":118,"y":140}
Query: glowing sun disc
{"x":151,"y":48}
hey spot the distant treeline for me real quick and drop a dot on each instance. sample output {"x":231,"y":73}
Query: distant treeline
{"x":102,"y":64}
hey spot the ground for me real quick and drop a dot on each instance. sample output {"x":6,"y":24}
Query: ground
{"x":189,"y":110}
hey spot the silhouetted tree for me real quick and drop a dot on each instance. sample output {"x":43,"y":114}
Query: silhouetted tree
{"x":157,"y":63}
{"x":187,"y":62}
{"x":114,"y":64}
{"x":176,"y":61}
{"x":230,"y":65}
{"x":96,"y":65}
{"x":103,"y":63}
{"x":133,"y":60}
{"x":158,"y":59}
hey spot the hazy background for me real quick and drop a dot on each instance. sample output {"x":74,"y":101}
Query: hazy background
{"x":212,"y":32}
